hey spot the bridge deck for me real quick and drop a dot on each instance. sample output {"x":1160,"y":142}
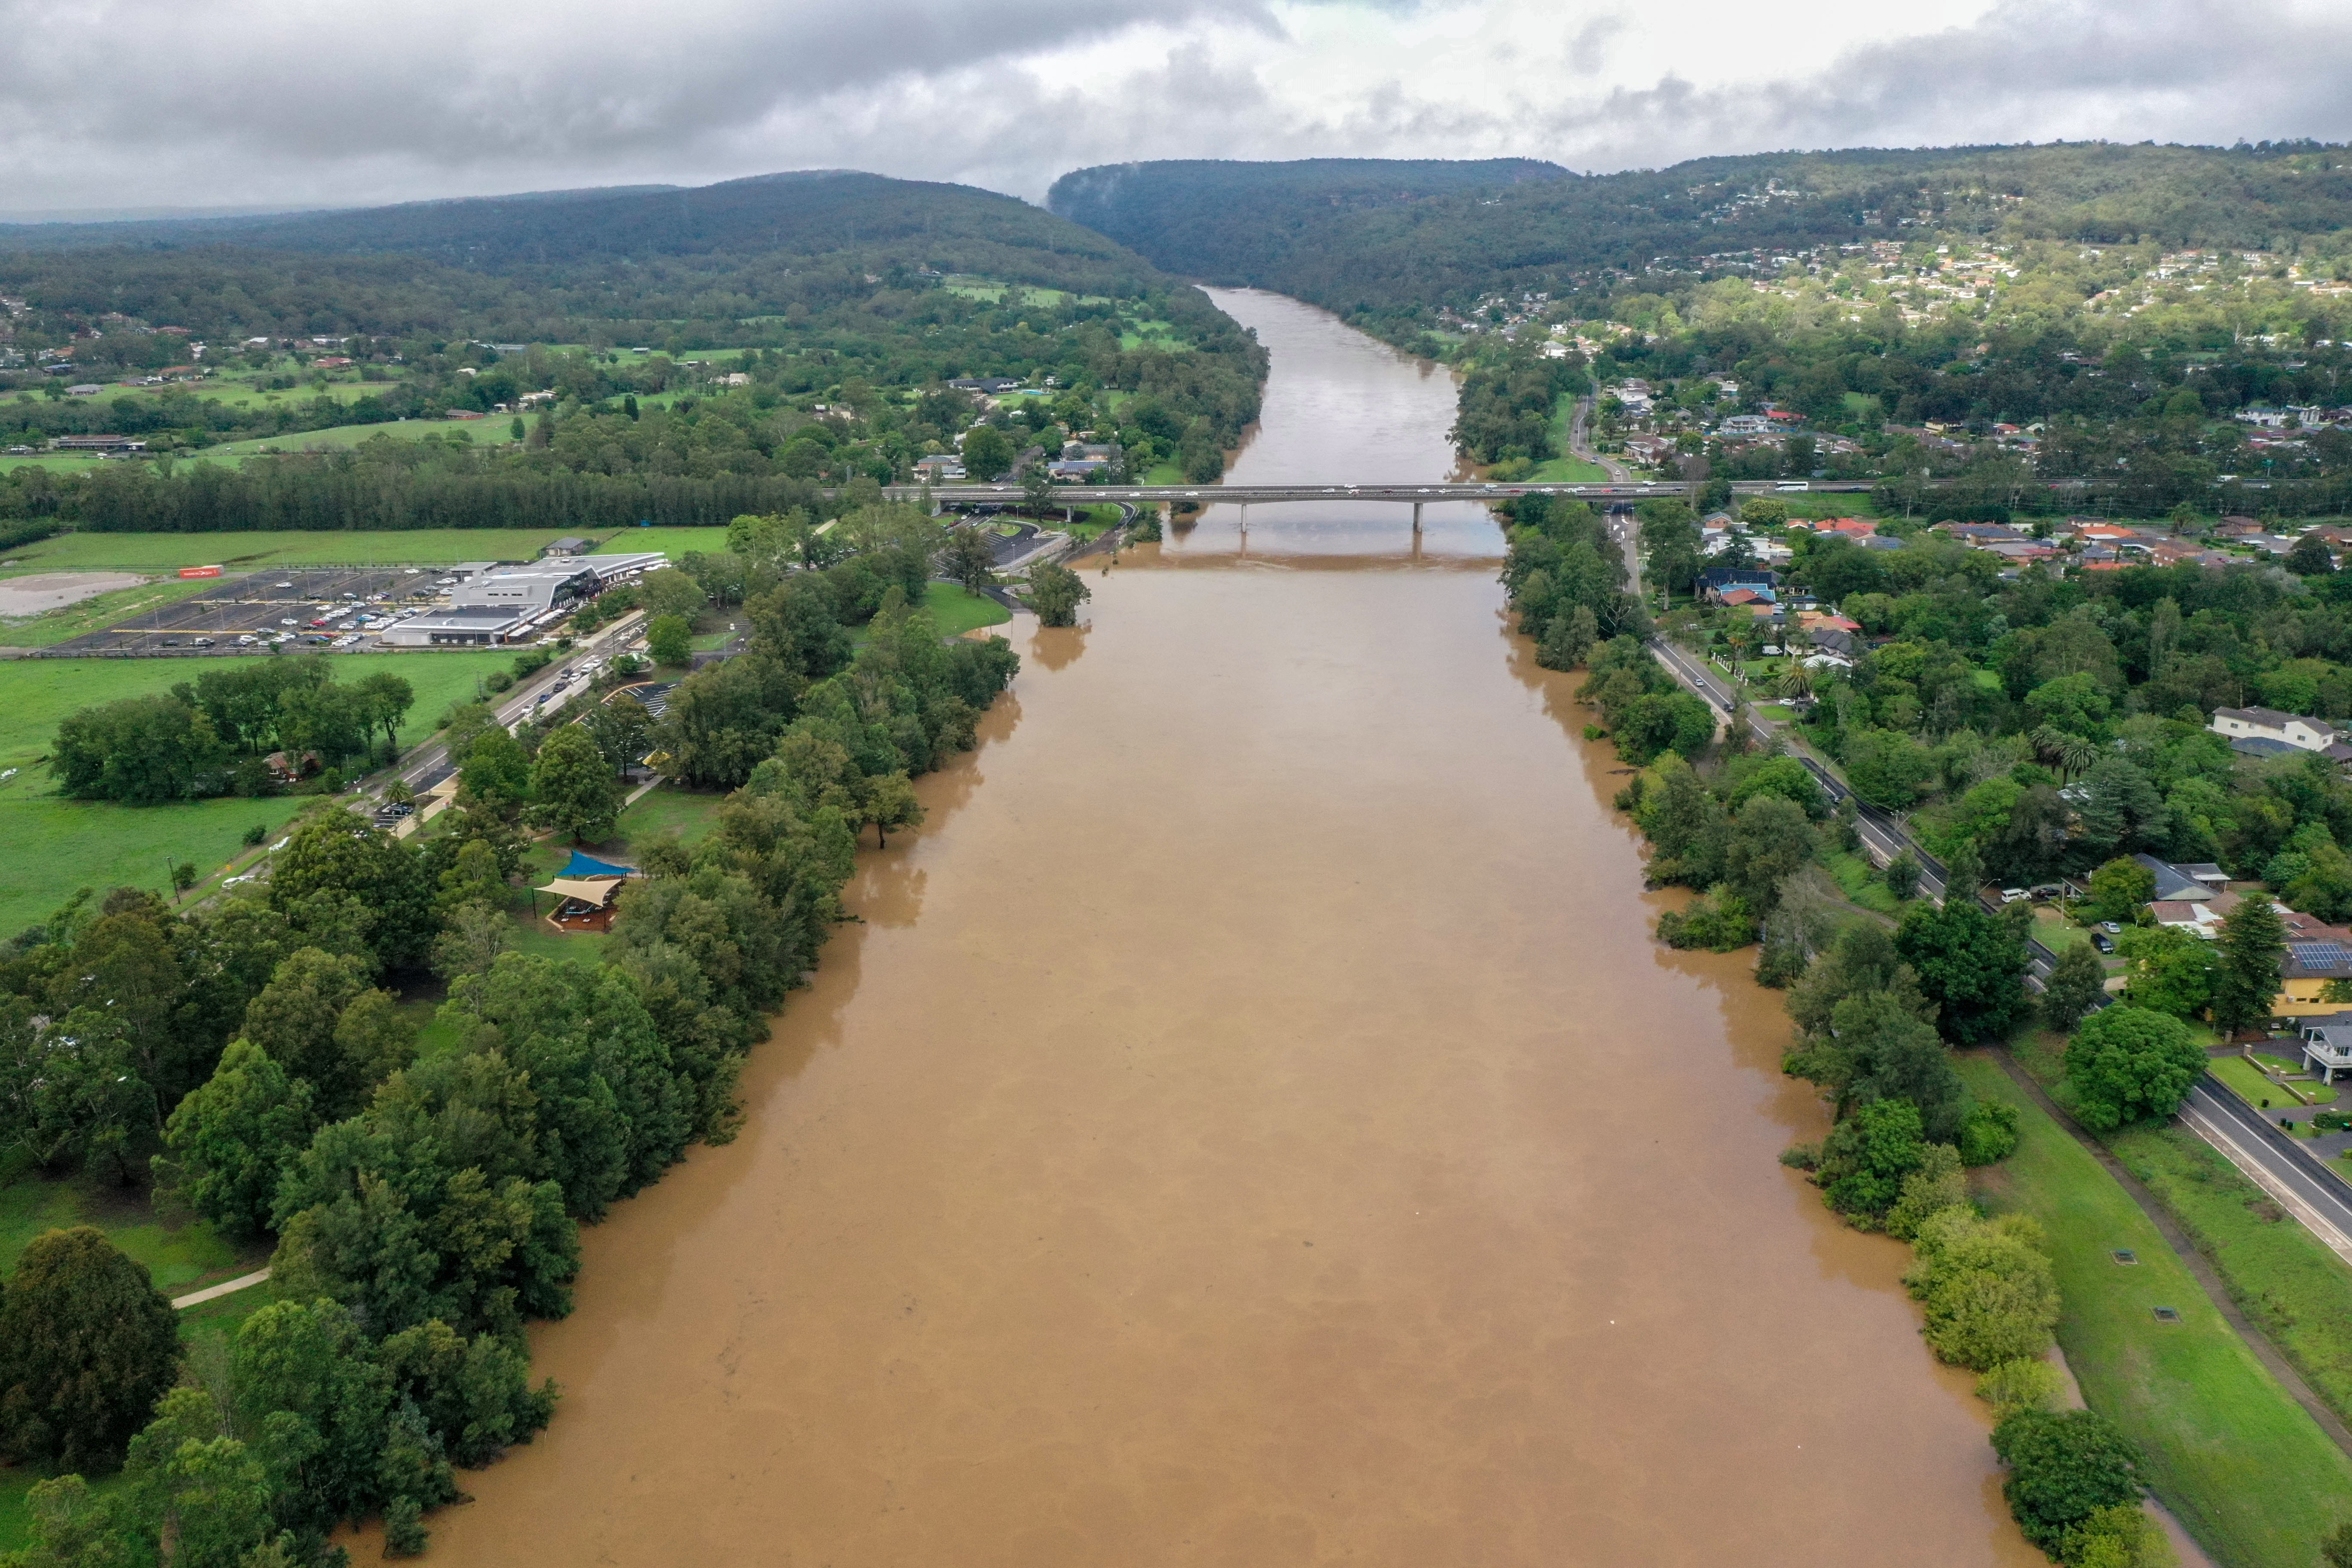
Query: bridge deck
{"x":1251,"y":495}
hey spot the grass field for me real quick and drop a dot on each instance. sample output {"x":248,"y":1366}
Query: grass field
{"x":50,"y":846}
{"x":396,"y":547}
{"x":2245,"y":1468}
{"x":958,"y":609}
{"x":1860,"y":881}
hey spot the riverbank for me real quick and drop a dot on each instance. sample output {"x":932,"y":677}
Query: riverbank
{"x":2211,"y":1418}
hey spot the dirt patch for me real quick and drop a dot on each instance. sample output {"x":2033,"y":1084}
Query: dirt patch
{"x":44,"y":591}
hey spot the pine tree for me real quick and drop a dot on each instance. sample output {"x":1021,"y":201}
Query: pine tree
{"x":2246,"y":986}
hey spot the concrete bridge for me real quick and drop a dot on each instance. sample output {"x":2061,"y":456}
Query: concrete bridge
{"x":1246,"y":496}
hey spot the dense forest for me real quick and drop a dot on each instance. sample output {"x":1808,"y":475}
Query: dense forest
{"x":842,"y":304}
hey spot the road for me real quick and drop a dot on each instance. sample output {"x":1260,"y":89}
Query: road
{"x":428,"y":764}
{"x":1579,"y":444}
{"x":2292,"y":1177}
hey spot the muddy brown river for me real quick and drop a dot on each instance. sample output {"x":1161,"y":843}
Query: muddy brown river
{"x":1252,"y":1125}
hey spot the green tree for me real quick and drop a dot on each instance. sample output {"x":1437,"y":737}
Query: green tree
{"x":1567,"y":639}
{"x":2130,"y":1064}
{"x":670,"y":640}
{"x":1866,"y":1156}
{"x":2310,"y":557}
{"x":1036,"y":489}
{"x":2120,"y":887}
{"x":969,"y":559}
{"x":2337,"y":1550}
{"x":1768,"y":840}
{"x":1902,"y":876}
{"x":2074,"y":988}
{"x":890,"y":803}
{"x":1988,"y":1286}
{"x":494,"y":771}
{"x":197,"y":1489}
{"x":986,"y":453}
{"x":622,"y":730}
{"x":183,"y":876}
{"x":2064,"y":1467}
{"x":2246,"y":980}
{"x":229,"y":1140}
{"x":1056,"y":593}
{"x":1970,"y":963}
{"x":88,"y":1344}
{"x":2168,"y":968}
{"x":572,"y":788}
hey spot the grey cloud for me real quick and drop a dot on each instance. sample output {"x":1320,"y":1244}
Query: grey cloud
{"x":122,"y":102}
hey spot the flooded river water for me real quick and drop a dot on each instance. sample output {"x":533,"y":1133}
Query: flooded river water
{"x":1252,"y":1125}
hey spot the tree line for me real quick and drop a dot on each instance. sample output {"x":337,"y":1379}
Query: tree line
{"x":425,"y":1205}
{"x":209,"y":737}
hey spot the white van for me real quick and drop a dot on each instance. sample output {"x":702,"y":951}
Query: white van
{"x":1791,"y":486}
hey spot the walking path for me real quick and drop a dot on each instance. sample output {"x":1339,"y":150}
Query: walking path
{"x":242,"y":1282}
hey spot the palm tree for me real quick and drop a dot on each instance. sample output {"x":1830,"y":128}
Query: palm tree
{"x":1797,"y":685}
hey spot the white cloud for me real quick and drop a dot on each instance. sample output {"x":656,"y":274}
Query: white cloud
{"x":120,"y":103}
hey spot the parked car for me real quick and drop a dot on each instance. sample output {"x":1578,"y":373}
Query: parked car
{"x":2114,"y":927}
{"x":2103,"y":941}
{"x":2048,"y":890}
{"x":2011,"y":895}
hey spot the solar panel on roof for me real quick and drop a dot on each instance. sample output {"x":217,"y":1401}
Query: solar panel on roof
{"x":2318,"y":954}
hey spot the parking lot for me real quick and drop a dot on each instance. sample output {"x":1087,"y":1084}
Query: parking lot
{"x":249,"y":613}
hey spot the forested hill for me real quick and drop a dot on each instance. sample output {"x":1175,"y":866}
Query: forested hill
{"x":1246,"y":223}
{"x":1373,"y":237}
{"x":520,"y":266}
{"x":682,"y":355}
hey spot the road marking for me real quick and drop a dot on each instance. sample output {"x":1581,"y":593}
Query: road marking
{"x":2254,"y":1171}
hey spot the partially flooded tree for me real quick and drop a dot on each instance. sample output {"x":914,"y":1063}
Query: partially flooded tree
{"x":1056,"y":593}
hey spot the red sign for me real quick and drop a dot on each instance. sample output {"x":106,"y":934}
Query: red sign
{"x":200,"y":571}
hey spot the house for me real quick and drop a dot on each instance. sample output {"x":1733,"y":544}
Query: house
{"x":1076,"y":472}
{"x":569,"y":545}
{"x":2187,"y":914}
{"x":2175,"y":883}
{"x":1744,"y":425}
{"x":1737,"y":597}
{"x":939,"y":465}
{"x":989,"y":385}
{"x":1650,"y":449}
{"x":1880,"y":541}
{"x":2327,"y":1045}
{"x":97,"y":443}
{"x":1717,"y":580}
{"x":2270,"y":724}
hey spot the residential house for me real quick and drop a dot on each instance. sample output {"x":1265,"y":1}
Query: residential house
{"x":2327,"y":1045}
{"x":939,"y":465}
{"x":2197,"y":884}
{"x":96,"y":443}
{"x":1717,"y":579}
{"x":1650,"y":450}
{"x":2270,"y":724}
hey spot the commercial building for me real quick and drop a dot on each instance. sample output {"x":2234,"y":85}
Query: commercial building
{"x":501,"y":603}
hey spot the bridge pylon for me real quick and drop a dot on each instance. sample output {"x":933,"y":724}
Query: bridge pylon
{"x":1416,"y":517}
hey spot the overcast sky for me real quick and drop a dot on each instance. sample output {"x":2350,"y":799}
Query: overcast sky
{"x":122,"y":104}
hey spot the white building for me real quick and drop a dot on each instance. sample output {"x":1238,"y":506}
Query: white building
{"x":2270,"y":724}
{"x":508,"y":603}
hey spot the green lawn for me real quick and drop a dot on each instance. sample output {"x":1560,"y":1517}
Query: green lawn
{"x":2245,"y":1468}
{"x":50,"y":846}
{"x":2249,"y":1084}
{"x":958,"y":609}
{"x":2278,"y":1273}
{"x":1863,"y":883}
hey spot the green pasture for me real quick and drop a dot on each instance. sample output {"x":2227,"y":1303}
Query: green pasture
{"x":2245,"y":1467}
{"x":49,"y":846}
